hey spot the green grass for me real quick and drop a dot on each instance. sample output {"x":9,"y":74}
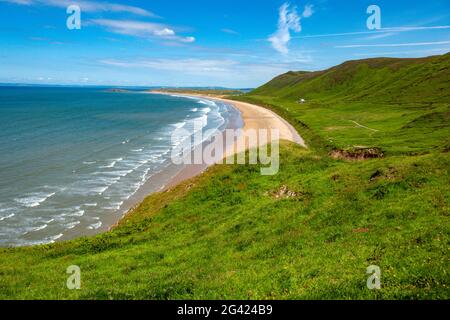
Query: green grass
{"x":400,"y":129}
{"x":225,"y":234}
{"x":404,"y":102}
{"x":380,"y":80}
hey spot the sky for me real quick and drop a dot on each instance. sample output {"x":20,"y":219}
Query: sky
{"x":227,"y":43}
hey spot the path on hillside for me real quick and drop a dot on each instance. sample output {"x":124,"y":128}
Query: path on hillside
{"x":361,"y":126}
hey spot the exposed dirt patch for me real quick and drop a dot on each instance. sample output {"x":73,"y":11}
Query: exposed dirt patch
{"x":388,"y":174}
{"x":189,"y":186}
{"x":335,"y":177}
{"x":283,"y":192}
{"x":357,"y":154}
{"x":361,"y":230}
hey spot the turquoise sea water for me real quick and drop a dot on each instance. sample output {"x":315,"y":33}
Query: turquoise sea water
{"x":71,"y":157}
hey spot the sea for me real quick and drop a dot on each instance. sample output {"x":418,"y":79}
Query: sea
{"x":73,"y":158}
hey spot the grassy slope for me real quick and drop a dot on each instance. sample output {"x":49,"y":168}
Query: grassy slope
{"x":406,"y":100}
{"x":225,"y":235}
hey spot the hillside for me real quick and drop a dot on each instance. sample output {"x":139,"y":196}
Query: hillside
{"x":376,"y":80}
{"x":308,"y":232}
{"x":401,"y":106}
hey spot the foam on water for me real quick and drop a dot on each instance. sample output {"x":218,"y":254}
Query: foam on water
{"x":7,"y":217}
{"x":112,"y":163}
{"x":35,"y":199}
{"x":72,"y":225}
{"x":39,"y":228}
{"x":95,"y":226}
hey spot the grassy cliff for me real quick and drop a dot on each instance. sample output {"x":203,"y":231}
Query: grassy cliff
{"x":308,"y":232}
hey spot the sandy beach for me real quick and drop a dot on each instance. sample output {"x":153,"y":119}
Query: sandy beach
{"x":254,"y":117}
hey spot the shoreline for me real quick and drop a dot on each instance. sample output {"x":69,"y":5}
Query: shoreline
{"x":254,"y":117}
{"x":245,"y":117}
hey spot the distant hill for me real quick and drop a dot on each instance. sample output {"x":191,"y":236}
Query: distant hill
{"x":379,"y":79}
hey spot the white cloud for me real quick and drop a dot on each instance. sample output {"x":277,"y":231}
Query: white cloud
{"x":141,"y":29}
{"x":87,"y":5}
{"x":308,"y":11}
{"x":288,"y":19}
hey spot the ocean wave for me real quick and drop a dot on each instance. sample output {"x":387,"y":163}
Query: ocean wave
{"x":137,"y":150}
{"x":90,"y":204}
{"x":132,"y":164}
{"x":35,"y":199}
{"x":112,"y":163}
{"x":72,"y":225}
{"x":116,"y":173}
{"x":179,"y":125}
{"x":56,"y":237}
{"x":206,"y":110}
{"x":178,"y":96}
{"x":74,"y":212}
{"x":89,"y":162}
{"x":100,"y":190}
{"x":47,"y":240}
{"x":37,"y":228}
{"x":7,"y":217}
{"x":114,"y":206}
{"x":95,"y":226}
{"x":208,"y":102}
{"x":144,"y":176}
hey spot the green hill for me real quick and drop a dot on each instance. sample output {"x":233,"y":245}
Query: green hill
{"x":308,"y":232}
{"x":376,"y":80}
{"x":398,"y":105}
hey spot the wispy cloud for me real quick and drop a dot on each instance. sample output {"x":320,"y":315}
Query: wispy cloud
{"x":288,"y":20}
{"x":87,"y":6}
{"x":381,"y":45}
{"x":22,"y":2}
{"x":380,"y":36}
{"x":185,"y":65}
{"x":229,"y":31}
{"x":403,"y":53}
{"x":46,"y":40}
{"x":222,"y":70}
{"x":381,"y":31}
{"x":141,"y":29}
{"x":308,"y":11}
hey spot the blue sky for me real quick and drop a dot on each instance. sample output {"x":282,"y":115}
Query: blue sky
{"x":227,"y":43}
